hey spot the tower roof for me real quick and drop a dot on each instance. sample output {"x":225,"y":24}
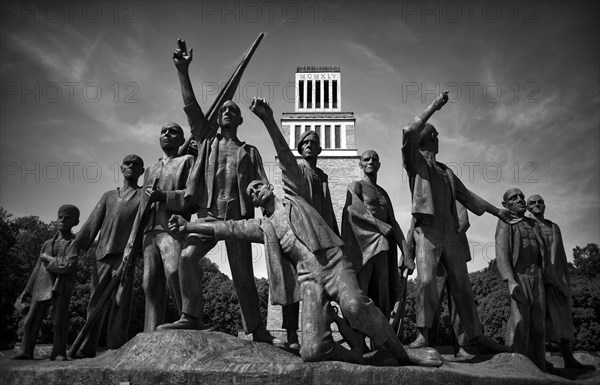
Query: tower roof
{"x":300,"y":69}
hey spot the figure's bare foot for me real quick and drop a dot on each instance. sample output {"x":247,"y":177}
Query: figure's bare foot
{"x":488,"y":346}
{"x":462,"y":353}
{"x":425,"y":357}
{"x":420,"y":342}
{"x":186,"y":322}
{"x":262,"y":335}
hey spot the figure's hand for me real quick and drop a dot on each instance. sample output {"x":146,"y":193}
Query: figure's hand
{"x":516,"y":292}
{"x":441,"y":100}
{"x":46,"y":258}
{"x":261,"y":108}
{"x":177,"y":224}
{"x":155,"y":195}
{"x":507,"y":217}
{"x":181,"y":57}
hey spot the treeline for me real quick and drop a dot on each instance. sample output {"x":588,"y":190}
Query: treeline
{"x":21,"y":240}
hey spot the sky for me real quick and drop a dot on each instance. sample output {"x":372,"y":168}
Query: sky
{"x":83,"y":84}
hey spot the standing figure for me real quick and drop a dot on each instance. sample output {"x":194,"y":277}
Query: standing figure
{"x":559,"y":317}
{"x":302,"y":250}
{"x":162,"y":249}
{"x":112,"y":218}
{"x":52,"y":282}
{"x":520,"y":256}
{"x":434,"y":188}
{"x":309,"y":147}
{"x":217,"y":183}
{"x":372,"y":236}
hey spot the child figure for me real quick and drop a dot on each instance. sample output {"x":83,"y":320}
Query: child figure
{"x":52,"y":281}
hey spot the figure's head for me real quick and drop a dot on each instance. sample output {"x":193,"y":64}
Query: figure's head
{"x":230,"y":115}
{"x":68,"y":217}
{"x":536,"y":205}
{"x":132,"y":167}
{"x":369,"y":162}
{"x":309,"y":145}
{"x":171,"y":137}
{"x":428,"y":139}
{"x":261,"y":192}
{"x":514,"y":201}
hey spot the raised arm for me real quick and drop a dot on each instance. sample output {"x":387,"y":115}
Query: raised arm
{"x":411,"y":133}
{"x":291,"y":172}
{"x":198,"y":123}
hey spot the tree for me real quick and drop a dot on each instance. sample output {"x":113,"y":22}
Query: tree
{"x":586,"y":260}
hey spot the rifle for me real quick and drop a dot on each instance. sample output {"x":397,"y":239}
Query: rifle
{"x":226,"y":93}
{"x":399,"y":311}
{"x":133,"y":244}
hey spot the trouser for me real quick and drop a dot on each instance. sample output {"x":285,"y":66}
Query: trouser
{"x":559,"y":317}
{"x":330,"y":277}
{"x":118,"y":320}
{"x":525,"y":329}
{"x":33,"y":321}
{"x":290,"y":314}
{"x":374,"y":281}
{"x":432,"y":247}
{"x":239,"y":255}
{"x":459,"y":333}
{"x":161,"y":272}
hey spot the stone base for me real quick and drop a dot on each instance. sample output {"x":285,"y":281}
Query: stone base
{"x":189,"y":357}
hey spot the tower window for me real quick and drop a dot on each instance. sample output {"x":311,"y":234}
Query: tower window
{"x":327,"y":136}
{"x":326,"y":93}
{"x":318,"y":94}
{"x":335,"y":93}
{"x":309,"y":94}
{"x":301,"y":93}
{"x":338,"y":136}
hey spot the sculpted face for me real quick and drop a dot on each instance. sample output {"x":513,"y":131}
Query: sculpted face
{"x":369,"y":162}
{"x":67,"y":218}
{"x":310,"y":148}
{"x":514,"y":200}
{"x":536,"y":205}
{"x":171,"y":136}
{"x":230,"y":115}
{"x":260,"y":193}
{"x":429,"y":139}
{"x":132,"y":167}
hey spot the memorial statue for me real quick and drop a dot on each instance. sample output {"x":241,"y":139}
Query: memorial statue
{"x":161,"y":249}
{"x":52,"y":282}
{"x":434,"y":189}
{"x":309,"y":146}
{"x":371,"y":235}
{"x":521,"y":259}
{"x":217,"y":184}
{"x":112,"y":218}
{"x":299,"y":244}
{"x":559,"y":316}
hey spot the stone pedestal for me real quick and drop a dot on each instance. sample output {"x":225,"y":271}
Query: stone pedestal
{"x":200,"y":357}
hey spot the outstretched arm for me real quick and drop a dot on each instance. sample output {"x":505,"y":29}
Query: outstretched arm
{"x":291,"y":172}
{"x":411,"y":133}
{"x":182,"y":59}
{"x":240,"y":230}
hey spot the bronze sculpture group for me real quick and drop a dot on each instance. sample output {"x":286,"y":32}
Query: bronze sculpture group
{"x":308,"y":258}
